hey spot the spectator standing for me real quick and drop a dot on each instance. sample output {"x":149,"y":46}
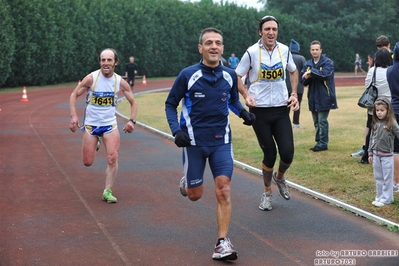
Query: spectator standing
{"x":299,"y":62}
{"x":381,"y":64}
{"x":267,"y":97}
{"x":369,"y":62}
{"x":383,"y":128}
{"x":207,"y":90}
{"x":318,"y":74}
{"x":102,"y":87}
{"x":393,"y":81}
{"x":381,"y":42}
{"x":233,"y":61}
{"x":131,"y":72}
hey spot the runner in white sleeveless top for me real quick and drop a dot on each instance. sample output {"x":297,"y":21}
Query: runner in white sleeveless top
{"x":102,"y":87}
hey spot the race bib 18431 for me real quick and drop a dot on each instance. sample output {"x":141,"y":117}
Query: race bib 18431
{"x":102,"y":99}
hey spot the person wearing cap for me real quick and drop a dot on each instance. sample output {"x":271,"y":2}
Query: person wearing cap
{"x":299,"y":61}
{"x":318,"y":74}
{"x":267,"y":97}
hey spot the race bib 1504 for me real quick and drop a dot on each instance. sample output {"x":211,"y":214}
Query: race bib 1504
{"x":273,"y":73}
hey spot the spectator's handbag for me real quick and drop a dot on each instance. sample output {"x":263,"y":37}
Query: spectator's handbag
{"x":369,"y":95}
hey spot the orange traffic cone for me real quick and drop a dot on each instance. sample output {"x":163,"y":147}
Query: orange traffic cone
{"x":144,"y":81}
{"x":24,"y":95}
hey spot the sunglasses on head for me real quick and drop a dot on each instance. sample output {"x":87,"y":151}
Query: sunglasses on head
{"x":268,"y":18}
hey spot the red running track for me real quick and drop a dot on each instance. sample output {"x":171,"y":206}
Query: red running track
{"x":52,"y":212}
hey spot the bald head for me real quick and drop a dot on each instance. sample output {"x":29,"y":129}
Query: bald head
{"x":108,"y":51}
{"x":108,"y":59}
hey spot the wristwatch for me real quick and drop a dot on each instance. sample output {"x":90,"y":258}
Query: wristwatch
{"x":133,"y":121}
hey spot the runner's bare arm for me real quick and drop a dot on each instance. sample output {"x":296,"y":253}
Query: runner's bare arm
{"x":125,"y":88}
{"x":78,"y":91}
{"x":293,"y":98}
{"x":249,"y":100}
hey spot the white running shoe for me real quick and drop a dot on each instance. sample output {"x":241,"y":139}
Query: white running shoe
{"x":224,"y":251}
{"x":282,"y":187}
{"x":99,"y":143}
{"x":183,"y":186}
{"x":266,"y":201}
{"x":359,"y":153}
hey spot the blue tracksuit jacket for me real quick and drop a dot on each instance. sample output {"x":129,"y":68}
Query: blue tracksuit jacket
{"x":321,"y":91}
{"x":207,"y":94}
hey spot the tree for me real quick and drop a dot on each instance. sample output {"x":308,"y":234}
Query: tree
{"x":7,"y":41}
{"x":347,"y":27}
{"x":53,"y":41}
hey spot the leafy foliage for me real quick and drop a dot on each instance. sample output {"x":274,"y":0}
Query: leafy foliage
{"x":7,"y":41}
{"x":54,"y":41}
{"x":343,"y":27}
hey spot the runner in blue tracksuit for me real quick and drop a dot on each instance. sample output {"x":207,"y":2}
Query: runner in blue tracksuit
{"x":207,"y":90}
{"x":207,"y":94}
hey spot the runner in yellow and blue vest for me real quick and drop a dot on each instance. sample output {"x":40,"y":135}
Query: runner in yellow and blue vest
{"x":101,"y":88}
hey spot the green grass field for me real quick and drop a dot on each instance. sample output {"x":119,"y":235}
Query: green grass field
{"x":331,"y":172}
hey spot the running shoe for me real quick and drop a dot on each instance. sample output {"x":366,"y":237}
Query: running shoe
{"x":224,"y":251}
{"x":266,"y":201}
{"x":359,"y":153}
{"x":318,"y":148}
{"x":378,"y":204}
{"x":100,"y":139}
{"x":363,"y":161}
{"x":108,"y":197}
{"x":296,"y":126}
{"x":396,"y":188}
{"x":183,"y":186}
{"x":282,"y":187}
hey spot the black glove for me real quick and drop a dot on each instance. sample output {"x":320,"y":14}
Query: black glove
{"x":249,"y":118}
{"x":182,"y":139}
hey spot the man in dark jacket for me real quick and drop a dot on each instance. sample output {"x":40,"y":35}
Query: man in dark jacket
{"x":318,"y":74}
{"x":299,"y":61}
{"x":393,"y":81}
{"x":131,"y":72}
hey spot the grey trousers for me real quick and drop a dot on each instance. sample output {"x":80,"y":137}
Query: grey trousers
{"x":383,"y":174}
